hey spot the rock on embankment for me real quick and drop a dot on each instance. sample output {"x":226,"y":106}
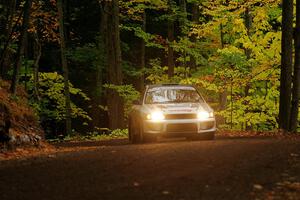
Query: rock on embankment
{"x":18,"y":123}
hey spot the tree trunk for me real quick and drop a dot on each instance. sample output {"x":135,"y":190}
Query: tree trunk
{"x":96,"y":112}
{"x":183,"y":19}
{"x":195,"y":20}
{"x":5,"y":60}
{"x":67,"y":31}
{"x":170,"y":41}
{"x":115,"y":76}
{"x":3,"y":23}
{"x":65,"y":67}
{"x":140,"y":83}
{"x":20,"y":51}
{"x":37,"y":57}
{"x":223,"y":94}
{"x":170,"y":49}
{"x":296,"y":78}
{"x":286,"y":64}
{"x":248,"y":25}
{"x":6,"y":22}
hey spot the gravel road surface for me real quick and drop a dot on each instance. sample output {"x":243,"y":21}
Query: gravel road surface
{"x":226,"y":168}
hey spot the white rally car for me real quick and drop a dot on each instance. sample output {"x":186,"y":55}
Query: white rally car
{"x":171,"y":110}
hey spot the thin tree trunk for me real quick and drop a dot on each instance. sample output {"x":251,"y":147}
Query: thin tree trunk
{"x":37,"y":57}
{"x":95,"y":111}
{"x":183,"y":30}
{"x":248,"y":25}
{"x":223,"y":94}
{"x":65,"y":67}
{"x":140,"y":84}
{"x":139,"y":81}
{"x":5,"y":54}
{"x":296,"y":78}
{"x":97,"y":100}
{"x":170,"y":41}
{"x":20,"y":51}
{"x":286,"y":64}
{"x":6,"y":22}
{"x":66,"y":9}
{"x":115,"y":76}
{"x":170,"y":49}
{"x":10,"y":16}
{"x":183,"y":19}
{"x":195,"y":20}
{"x":3,"y":25}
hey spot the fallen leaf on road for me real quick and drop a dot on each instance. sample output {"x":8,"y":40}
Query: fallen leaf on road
{"x":258,"y":187}
{"x":165,"y":192}
{"x":136,"y":184}
{"x":294,"y":186}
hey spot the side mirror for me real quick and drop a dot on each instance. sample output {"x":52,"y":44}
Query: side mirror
{"x":137,"y":102}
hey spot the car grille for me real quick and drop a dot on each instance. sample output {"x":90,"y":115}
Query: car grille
{"x":182,"y":128}
{"x":181,"y":116}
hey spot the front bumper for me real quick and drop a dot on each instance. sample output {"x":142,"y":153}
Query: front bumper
{"x":180,"y":127}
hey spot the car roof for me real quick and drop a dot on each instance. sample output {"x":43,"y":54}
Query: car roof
{"x":169,"y":85}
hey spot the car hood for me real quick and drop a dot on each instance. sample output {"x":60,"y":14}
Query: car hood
{"x":179,"y":107}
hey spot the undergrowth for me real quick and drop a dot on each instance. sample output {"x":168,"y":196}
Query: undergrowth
{"x":94,"y":136}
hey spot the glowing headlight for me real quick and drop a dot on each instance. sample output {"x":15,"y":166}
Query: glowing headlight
{"x":205,"y":115}
{"x":156,"y":116}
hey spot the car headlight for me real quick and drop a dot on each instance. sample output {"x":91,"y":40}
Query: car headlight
{"x":156,"y":116}
{"x":205,"y":115}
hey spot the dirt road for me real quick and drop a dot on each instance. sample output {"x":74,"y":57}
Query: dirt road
{"x":240,"y":168}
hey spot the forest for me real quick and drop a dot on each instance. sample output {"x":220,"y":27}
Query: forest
{"x":84,"y":62}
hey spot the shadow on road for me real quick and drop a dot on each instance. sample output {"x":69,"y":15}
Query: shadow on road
{"x":114,"y":142}
{"x":123,"y":142}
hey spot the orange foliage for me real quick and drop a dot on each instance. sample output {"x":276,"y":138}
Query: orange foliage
{"x":23,"y":118}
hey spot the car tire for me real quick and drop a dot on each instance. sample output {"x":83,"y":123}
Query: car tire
{"x":136,"y":133}
{"x":130,"y":130}
{"x":208,"y":136}
{"x":133,"y":133}
{"x":144,"y":137}
{"x":149,"y":138}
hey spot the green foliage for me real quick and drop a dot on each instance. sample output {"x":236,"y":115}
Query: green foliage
{"x":150,"y":39}
{"x":127,"y":93}
{"x":119,"y":133}
{"x":188,"y":49}
{"x":258,"y":110}
{"x":89,"y":56}
{"x":26,"y":70}
{"x":245,"y":68}
{"x":95,"y":136}
{"x":51,"y":105}
{"x":157,"y":73}
{"x":130,"y":70}
{"x":220,"y":53}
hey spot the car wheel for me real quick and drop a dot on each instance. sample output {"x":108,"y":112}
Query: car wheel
{"x":149,"y":138}
{"x":130,"y":130}
{"x":144,"y":137}
{"x":133,"y":133}
{"x":208,"y":136}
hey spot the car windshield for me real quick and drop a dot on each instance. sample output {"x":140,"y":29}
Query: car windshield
{"x":163,"y":95}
